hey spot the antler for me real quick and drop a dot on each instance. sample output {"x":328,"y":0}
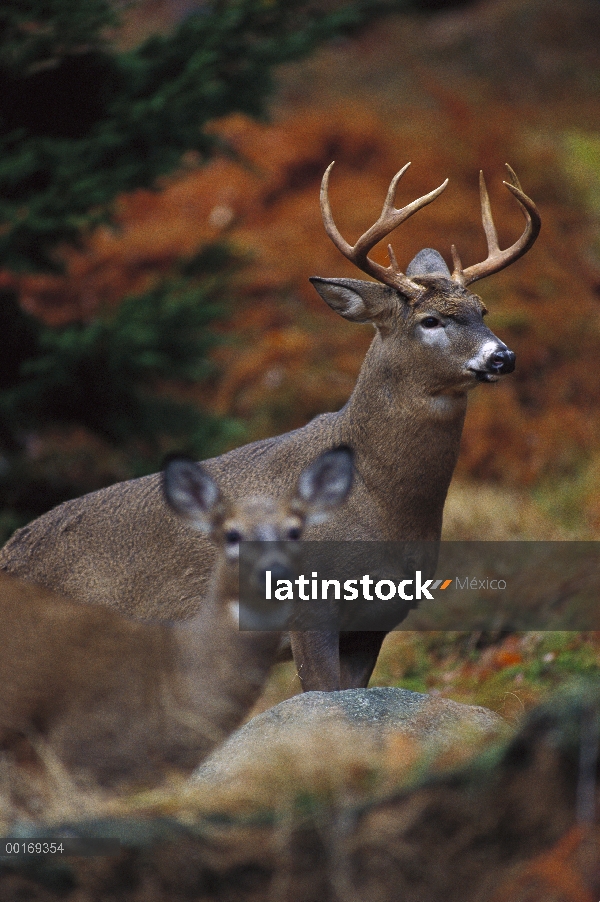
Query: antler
{"x":390,"y":218}
{"x":497,"y":259}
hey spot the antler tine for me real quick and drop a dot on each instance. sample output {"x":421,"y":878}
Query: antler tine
{"x":457,"y":275}
{"x":496,"y":258}
{"x":330,"y":226}
{"x":491,"y":235}
{"x":389,"y":219}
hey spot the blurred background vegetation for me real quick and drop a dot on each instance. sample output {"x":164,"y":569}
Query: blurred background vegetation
{"x":95,"y":104}
{"x":159,"y":182}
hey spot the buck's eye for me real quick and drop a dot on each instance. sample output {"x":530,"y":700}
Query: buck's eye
{"x":233,"y":537}
{"x":430,"y":322}
{"x":294,"y":533}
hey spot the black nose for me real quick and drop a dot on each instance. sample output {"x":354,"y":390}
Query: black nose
{"x":502,"y":361}
{"x":278,"y":571}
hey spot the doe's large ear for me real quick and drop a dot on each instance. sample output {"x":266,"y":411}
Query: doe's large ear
{"x":355,"y":299}
{"x":326,"y":483}
{"x":192,"y":493}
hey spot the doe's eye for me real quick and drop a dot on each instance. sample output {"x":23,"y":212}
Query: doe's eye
{"x":430,"y":322}
{"x":233,"y":537}
{"x":294,"y":533}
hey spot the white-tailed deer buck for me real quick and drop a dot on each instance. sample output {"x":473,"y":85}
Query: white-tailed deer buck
{"x":404,"y":420}
{"x":117,"y":700}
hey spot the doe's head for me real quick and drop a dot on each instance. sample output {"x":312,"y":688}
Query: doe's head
{"x":273,"y":524}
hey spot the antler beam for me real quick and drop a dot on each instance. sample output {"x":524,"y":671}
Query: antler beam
{"x":390,"y":219}
{"x":496,"y":258}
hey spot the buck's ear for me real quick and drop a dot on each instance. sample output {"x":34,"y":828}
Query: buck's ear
{"x":357,"y":300}
{"x":192,"y":493}
{"x":326,"y":483}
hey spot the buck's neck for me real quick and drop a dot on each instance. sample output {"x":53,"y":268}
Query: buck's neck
{"x":406,"y":439}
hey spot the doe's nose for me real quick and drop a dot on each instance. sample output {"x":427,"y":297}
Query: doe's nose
{"x":279,"y":570}
{"x":502,"y":361}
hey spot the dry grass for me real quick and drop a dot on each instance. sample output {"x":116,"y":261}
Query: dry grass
{"x":503,"y":827}
{"x":479,"y":511}
{"x":303,"y":769}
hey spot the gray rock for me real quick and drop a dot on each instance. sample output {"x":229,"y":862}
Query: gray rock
{"x":359,"y":714}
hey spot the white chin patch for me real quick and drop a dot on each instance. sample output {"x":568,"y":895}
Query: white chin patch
{"x":233,"y":609}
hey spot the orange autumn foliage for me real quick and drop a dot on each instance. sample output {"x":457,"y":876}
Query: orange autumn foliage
{"x":288,"y":357}
{"x":564,"y":873}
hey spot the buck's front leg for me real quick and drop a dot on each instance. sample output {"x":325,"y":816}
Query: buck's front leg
{"x":317,"y":659}
{"x":358,"y":657}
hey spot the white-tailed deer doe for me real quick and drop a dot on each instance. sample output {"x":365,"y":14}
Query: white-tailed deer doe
{"x":117,"y":700}
{"x":404,"y":420}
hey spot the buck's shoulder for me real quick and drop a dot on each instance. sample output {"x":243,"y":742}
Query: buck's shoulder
{"x":287,"y":453}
